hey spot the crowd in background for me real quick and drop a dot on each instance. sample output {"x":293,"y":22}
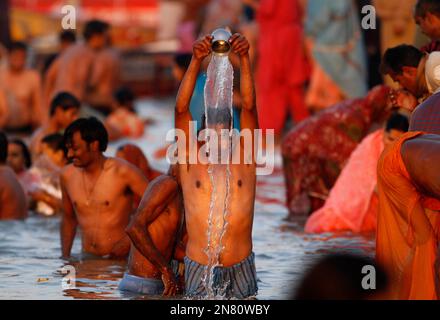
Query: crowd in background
{"x":335,"y":94}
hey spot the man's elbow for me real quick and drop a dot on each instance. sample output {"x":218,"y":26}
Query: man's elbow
{"x":132,"y":231}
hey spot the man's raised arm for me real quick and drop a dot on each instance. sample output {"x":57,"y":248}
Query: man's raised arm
{"x":201,"y":49}
{"x":248,"y":117}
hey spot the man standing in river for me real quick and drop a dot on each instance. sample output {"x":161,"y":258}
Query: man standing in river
{"x":211,"y":232}
{"x":97,"y":192}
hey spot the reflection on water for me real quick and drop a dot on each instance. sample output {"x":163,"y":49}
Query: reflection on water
{"x":30,"y":250}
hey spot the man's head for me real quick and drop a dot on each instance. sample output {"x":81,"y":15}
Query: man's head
{"x":427,"y":16}
{"x":85,"y":140}
{"x":17,"y":56}
{"x":66,"y":39}
{"x":181,"y":64}
{"x":218,"y":120}
{"x":64,"y":109}
{"x":54,"y":148}
{"x":396,"y":125}
{"x":401,"y":63}
{"x":124,"y":98}
{"x":3,"y":148}
{"x":340,"y":276}
{"x":96,"y":34}
{"x":19,"y":157}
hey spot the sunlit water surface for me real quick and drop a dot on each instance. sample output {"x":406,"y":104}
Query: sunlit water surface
{"x":30,"y":250}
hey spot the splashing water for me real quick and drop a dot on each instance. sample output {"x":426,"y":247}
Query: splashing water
{"x":218,"y":96}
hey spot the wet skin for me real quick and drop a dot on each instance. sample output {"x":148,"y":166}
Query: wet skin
{"x":236,"y":243}
{"x":155,"y":232}
{"x":12,"y":197}
{"x":98,"y":196}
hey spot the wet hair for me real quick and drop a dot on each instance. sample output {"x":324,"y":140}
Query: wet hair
{"x":95,"y":27}
{"x":17,"y":46}
{"x":183,"y":60}
{"x":124,"y":96}
{"x":67,"y":36}
{"x":427,"y":6}
{"x":65,"y":101}
{"x":397,"y":121}
{"x":339,"y":277}
{"x":55,"y":142}
{"x":398,"y":57}
{"x":3,"y":147}
{"x":216,"y":116}
{"x":91,"y":130}
{"x":219,"y":116}
{"x":24,"y":150}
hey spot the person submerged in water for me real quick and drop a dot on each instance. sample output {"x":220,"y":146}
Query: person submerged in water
{"x":229,"y":245}
{"x":156,"y":233}
{"x":13,"y":203}
{"x":97,"y":192}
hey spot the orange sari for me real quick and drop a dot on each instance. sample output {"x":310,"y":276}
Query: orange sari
{"x":406,"y":241}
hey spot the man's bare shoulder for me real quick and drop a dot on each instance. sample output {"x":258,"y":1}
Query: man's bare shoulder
{"x":163,"y":181}
{"x":122,"y":167}
{"x":33,"y":75}
{"x":68,"y":172}
{"x":7,"y":176}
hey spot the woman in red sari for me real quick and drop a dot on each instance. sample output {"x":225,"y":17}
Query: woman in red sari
{"x":315,"y":151}
{"x":282,"y":65}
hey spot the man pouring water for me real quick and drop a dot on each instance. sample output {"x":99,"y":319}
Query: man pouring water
{"x":219,"y":197}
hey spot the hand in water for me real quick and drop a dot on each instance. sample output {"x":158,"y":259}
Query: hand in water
{"x":169,"y":282}
{"x":240,"y":45}
{"x":202,"y":48}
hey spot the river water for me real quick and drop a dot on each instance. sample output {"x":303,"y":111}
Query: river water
{"x":30,"y":250}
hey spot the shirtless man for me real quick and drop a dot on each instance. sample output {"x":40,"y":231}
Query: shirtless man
{"x":105,"y":78}
{"x":64,"y":109}
{"x":23,"y":92}
{"x":72,"y":70}
{"x":234,"y":248}
{"x":13,"y":203}
{"x":97,"y":192}
{"x":156,"y":232}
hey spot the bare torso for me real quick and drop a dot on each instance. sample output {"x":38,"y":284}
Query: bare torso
{"x":105,"y":77}
{"x":197,"y":189}
{"x":13,"y":203}
{"x":421,"y":156}
{"x":103,"y":210}
{"x":23,"y":91}
{"x":163,"y":232}
{"x":73,"y":68}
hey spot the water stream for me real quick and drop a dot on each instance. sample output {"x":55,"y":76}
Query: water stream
{"x":218,"y":98}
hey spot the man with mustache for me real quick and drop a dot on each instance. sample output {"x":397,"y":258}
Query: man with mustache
{"x":98,"y":192}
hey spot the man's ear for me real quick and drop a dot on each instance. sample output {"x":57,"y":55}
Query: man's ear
{"x":95,"y":146}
